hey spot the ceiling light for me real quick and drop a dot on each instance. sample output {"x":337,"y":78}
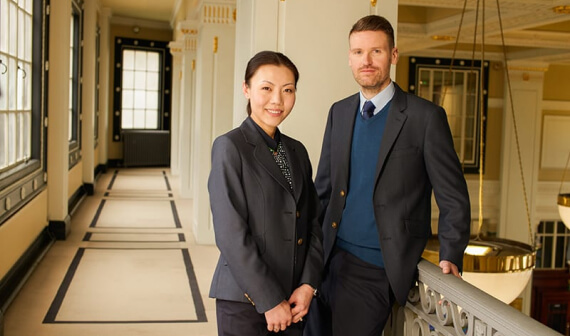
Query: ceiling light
{"x":500,"y":267}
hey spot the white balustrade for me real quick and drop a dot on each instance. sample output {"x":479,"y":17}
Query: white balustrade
{"x":443,"y":305}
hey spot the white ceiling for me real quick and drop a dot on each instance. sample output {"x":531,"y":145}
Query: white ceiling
{"x":532,"y":30}
{"x":154,"y":10}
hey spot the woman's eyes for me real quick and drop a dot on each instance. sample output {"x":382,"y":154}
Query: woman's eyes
{"x":267,"y":88}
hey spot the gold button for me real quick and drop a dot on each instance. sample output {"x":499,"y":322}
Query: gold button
{"x":300,"y":241}
{"x":298,"y":214}
{"x":334,"y":225}
{"x":342,"y":193}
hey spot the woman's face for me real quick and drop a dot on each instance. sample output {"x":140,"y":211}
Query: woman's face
{"x":271,"y":93}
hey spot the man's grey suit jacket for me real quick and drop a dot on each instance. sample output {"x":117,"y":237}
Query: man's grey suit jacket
{"x":270,"y":239}
{"x":416,"y":156}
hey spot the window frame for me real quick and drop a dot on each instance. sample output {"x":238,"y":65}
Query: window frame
{"x":417,"y":64}
{"x":97,"y":83}
{"x":21,"y":183}
{"x":76,"y":85}
{"x":548,"y":234}
{"x":122,"y":43}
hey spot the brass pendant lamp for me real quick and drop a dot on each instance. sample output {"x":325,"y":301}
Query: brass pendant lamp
{"x":500,"y":267}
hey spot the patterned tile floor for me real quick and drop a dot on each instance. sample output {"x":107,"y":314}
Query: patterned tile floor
{"x":129,"y":267}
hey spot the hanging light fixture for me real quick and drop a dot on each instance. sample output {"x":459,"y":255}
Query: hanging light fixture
{"x":500,"y":267}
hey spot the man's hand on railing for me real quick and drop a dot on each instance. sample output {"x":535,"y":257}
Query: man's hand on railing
{"x":449,"y":267}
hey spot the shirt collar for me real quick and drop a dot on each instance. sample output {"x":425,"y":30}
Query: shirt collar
{"x":381,"y":99}
{"x":271,"y":142}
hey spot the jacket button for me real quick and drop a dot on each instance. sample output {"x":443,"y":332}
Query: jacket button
{"x":298,"y":214}
{"x":334,"y":225}
{"x":342,"y":193}
{"x":300,"y":241}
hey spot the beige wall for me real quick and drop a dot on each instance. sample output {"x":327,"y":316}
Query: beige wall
{"x":557,"y":83}
{"x":75,"y":179}
{"x":20,"y":231}
{"x":115,"y":149}
{"x":556,"y":88}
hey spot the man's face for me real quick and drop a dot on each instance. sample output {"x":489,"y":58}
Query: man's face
{"x":370,"y":58}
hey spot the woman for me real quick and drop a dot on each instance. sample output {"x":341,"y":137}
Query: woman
{"x":265,"y":211}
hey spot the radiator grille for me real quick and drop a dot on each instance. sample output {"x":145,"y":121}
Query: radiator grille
{"x":146,"y":148}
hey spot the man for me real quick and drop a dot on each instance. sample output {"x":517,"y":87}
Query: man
{"x":379,"y":164}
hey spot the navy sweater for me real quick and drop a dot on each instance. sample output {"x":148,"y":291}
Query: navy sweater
{"x":357,"y":232}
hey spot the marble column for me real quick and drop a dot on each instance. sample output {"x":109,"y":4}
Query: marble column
{"x":88,"y":93}
{"x":176,"y":52}
{"x":189,"y":30}
{"x":58,"y":119}
{"x":213,"y":102}
{"x":103,"y":138}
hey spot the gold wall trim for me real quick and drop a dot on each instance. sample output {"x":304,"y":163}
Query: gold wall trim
{"x":522,"y":68}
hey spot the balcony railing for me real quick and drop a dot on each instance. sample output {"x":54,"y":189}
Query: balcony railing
{"x":443,"y":305}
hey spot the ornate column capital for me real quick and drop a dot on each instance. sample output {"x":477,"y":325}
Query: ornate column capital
{"x":188,"y":27}
{"x":176,"y":48}
{"x":218,"y":12}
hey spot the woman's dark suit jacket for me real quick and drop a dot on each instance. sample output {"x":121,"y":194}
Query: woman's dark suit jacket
{"x":416,"y":156}
{"x":269,"y":238}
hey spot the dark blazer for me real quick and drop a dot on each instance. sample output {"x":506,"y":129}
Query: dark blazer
{"x":270,"y":239}
{"x":416,"y":156}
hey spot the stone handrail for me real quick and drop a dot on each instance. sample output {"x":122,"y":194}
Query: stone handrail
{"x":443,"y":305}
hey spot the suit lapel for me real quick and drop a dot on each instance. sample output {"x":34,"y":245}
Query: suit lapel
{"x":262,"y":153}
{"x":342,"y":142}
{"x":394,"y":123}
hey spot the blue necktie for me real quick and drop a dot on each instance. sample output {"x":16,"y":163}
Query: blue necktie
{"x":368,"y":110}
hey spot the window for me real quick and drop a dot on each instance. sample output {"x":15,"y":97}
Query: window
{"x":97,"y":69}
{"x":553,"y":239}
{"x":142,"y":85}
{"x":15,"y":83}
{"x":457,"y":91}
{"x":23,"y":99}
{"x":75,"y":49}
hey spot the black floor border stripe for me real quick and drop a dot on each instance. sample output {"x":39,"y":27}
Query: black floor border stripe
{"x":166,"y":180}
{"x":112,"y":180}
{"x":97,"y":214}
{"x":196,"y":296}
{"x":60,"y":295}
{"x":175,"y":214}
{"x":58,"y":300}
